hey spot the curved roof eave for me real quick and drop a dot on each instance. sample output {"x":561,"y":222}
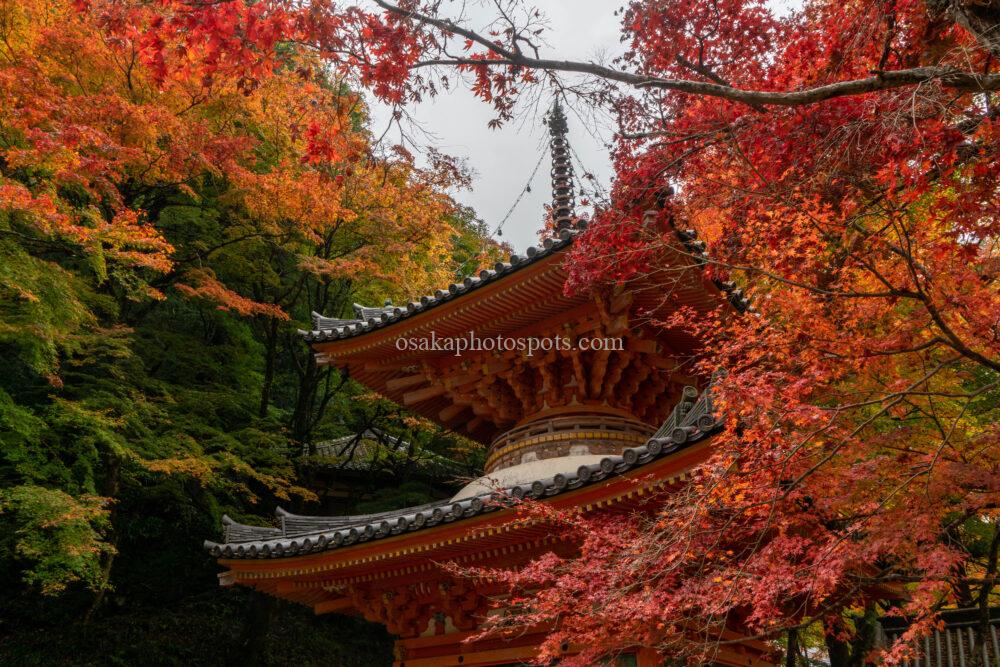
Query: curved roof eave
{"x":317,"y":534}
{"x":330,"y":329}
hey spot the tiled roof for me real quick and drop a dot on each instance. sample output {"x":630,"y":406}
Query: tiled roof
{"x":698,"y":249}
{"x":369,"y":319}
{"x":362,"y":451}
{"x":689,"y":422}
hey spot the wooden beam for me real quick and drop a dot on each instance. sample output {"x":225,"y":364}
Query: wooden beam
{"x":334,"y":606}
{"x":482,"y":409}
{"x":524,"y":391}
{"x":665,"y":363}
{"x":620,"y":302}
{"x":459,"y":380}
{"x":597,"y":368}
{"x":420,"y":395}
{"x":451,"y":412}
{"x":579,"y":373}
{"x":494,"y":366}
{"x":614,"y":374}
{"x":395,"y":384}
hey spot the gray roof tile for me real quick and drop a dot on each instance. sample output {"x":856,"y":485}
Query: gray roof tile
{"x":371,"y":318}
{"x":300,"y":535}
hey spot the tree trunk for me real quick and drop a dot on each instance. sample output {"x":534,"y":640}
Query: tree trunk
{"x":270,"y":355}
{"x":302,"y":417}
{"x":110,"y":488}
{"x":839,"y":652}
{"x":866,"y":632}
{"x":852,"y":653}
{"x":980,"y":17}
{"x":793,"y":647}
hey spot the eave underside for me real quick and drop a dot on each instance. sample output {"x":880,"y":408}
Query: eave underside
{"x":482,"y":394}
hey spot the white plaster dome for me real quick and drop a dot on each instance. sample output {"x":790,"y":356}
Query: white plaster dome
{"x":526,"y":473}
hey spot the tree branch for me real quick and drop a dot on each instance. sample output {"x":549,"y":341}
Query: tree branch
{"x":947,"y":77}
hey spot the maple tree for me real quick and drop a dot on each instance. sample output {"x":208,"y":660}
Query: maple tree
{"x":166,"y":226}
{"x":840,"y":162}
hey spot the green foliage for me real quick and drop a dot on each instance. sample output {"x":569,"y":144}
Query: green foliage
{"x":202,"y":629}
{"x":408,"y":494}
{"x":37,"y":297}
{"x":151,"y":373}
{"x":55,"y":537}
{"x":471,"y":243}
{"x":129,"y":425}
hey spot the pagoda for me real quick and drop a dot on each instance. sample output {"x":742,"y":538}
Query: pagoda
{"x":604,"y":418}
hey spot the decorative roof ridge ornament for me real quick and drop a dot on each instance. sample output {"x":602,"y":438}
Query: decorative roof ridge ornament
{"x":563,"y":202}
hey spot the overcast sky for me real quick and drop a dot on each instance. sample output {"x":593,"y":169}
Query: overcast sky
{"x":503,"y":159}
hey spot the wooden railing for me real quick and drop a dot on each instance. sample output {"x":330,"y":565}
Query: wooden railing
{"x":579,"y":428}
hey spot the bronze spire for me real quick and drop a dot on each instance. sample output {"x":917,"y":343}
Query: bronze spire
{"x":563,"y":204}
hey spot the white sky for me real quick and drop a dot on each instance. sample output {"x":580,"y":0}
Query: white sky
{"x":503,"y":159}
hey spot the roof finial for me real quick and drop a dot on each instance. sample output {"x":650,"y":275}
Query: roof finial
{"x":563,"y":204}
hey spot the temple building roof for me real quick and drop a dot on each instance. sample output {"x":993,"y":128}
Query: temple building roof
{"x":482,"y":395}
{"x":567,"y":224}
{"x":371,"y":318}
{"x":298,"y":535}
{"x":504,"y":397}
{"x":368,"y":449}
{"x":573,"y":424}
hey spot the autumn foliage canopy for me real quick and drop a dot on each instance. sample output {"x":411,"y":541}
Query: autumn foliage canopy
{"x":170,"y":215}
{"x":841,"y":164}
{"x":840,"y":161}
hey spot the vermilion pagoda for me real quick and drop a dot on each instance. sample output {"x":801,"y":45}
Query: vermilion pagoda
{"x":597,"y":429}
